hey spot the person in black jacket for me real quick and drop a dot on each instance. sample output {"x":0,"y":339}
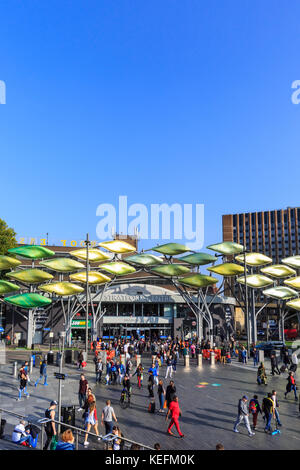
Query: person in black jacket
{"x":151,"y":384}
{"x":170,"y":392}
{"x":274,"y":365}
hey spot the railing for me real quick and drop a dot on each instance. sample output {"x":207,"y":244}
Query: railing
{"x":106,"y":439}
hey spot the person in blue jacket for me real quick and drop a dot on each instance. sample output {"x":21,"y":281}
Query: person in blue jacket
{"x":43,"y":373}
{"x":66,"y":441}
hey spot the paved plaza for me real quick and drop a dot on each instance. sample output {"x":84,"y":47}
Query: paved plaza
{"x":208,"y":398}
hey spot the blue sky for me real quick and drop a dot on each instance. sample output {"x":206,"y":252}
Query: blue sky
{"x":173,"y":101}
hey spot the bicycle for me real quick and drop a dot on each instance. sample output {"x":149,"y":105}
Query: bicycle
{"x":125,"y":399}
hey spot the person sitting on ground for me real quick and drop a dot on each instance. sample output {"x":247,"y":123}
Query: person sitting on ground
{"x":66,"y":441}
{"x":261,"y":375}
{"x":19,"y":434}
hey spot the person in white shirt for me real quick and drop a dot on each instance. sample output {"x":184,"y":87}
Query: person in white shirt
{"x":276,"y":407}
{"x":19,"y":434}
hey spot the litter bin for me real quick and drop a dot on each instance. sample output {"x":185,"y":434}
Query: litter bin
{"x":38,"y":360}
{"x":50,"y":358}
{"x":69,"y":356}
{"x":67,"y":416}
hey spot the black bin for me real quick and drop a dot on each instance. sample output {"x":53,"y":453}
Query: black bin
{"x":68,"y":416}
{"x":38,"y":360}
{"x":68,"y":356}
{"x":50,"y":358}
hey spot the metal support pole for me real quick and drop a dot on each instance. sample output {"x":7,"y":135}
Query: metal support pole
{"x":247,"y":307}
{"x":15,"y":369}
{"x":87,"y":242}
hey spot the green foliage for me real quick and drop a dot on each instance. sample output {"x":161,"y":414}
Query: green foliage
{"x":7,"y":237}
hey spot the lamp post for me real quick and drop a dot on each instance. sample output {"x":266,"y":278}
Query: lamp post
{"x":87,"y":243}
{"x":62,"y":335}
{"x":247,"y":306}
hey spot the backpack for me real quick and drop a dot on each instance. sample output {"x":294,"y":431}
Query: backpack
{"x":151,"y":407}
{"x":252,"y":407}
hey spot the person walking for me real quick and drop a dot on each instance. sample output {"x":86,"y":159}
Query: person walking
{"x":107,"y":417}
{"x":139,"y":374}
{"x":98,"y":370}
{"x":175,"y":412}
{"x":91,"y":420}
{"x":169,"y":370}
{"x":294,"y":361}
{"x":80,"y":360}
{"x":254,"y":409}
{"x":243,"y":415}
{"x":43,"y":373}
{"x":161,"y":395}
{"x":274,"y":365}
{"x":151,"y":384}
{"x":24,"y":378}
{"x":83,"y":385}
{"x":268,"y":409}
{"x":50,"y":425}
{"x":276,"y":407}
{"x":255,"y":357}
{"x":170,"y":392}
{"x":291,"y":385}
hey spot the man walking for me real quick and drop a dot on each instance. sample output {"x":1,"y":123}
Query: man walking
{"x":268,"y":409}
{"x":254,"y":409}
{"x":43,"y":373}
{"x":50,"y":425}
{"x":169,"y":370}
{"x":83,"y":384}
{"x":243,"y":415}
{"x":274,"y":365}
{"x":107,"y":417}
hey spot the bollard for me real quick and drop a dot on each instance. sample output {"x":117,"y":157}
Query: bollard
{"x":138,"y":359}
{"x":261,"y":355}
{"x":31,"y":365}
{"x":212,"y":358}
{"x":15,"y":369}
{"x":187,"y":361}
{"x":199,"y":360}
{"x":123,"y":360}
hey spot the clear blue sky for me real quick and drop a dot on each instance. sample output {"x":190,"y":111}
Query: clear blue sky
{"x":184,"y":101}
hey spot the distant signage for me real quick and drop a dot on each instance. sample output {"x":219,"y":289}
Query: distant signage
{"x":59,"y":376}
{"x":80,"y":324}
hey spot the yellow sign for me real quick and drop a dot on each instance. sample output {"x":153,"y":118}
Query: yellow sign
{"x":43,"y":242}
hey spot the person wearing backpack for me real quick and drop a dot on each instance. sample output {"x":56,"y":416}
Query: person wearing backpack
{"x":268,"y":409}
{"x":23,"y":376}
{"x":50,"y":425}
{"x":254,"y":409}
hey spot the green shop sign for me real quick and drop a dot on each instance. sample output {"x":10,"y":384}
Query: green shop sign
{"x":80,"y":324}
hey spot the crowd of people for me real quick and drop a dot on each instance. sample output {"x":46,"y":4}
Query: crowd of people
{"x":116,"y":363}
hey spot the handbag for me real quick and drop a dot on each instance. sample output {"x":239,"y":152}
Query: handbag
{"x":53,"y":443}
{"x":165,"y":404}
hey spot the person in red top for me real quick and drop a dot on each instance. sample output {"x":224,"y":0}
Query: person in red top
{"x":175,"y":412}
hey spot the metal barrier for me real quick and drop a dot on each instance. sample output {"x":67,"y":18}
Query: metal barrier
{"x":106,"y":439}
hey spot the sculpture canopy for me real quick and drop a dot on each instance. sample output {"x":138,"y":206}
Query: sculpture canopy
{"x":118,"y":246}
{"x":257,"y":281}
{"x":227,"y":269}
{"x":171,"y":270}
{"x":95,"y":255}
{"x":292,"y":261}
{"x":32,"y":251}
{"x":118,"y":268}
{"x":199,"y":259}
{"x":279,"y":271}
{"x":280,"y":293}
{"x":94,"y":277}
{"x":227,"y":248}
{"x":171,"y":249}
{"x":7,"y":262}
{"x":293,"y":282}
{"x":7,"y":287}
{"x":198,"y":280}
{"x":30,"y":300}
{"x":254,"y":259}
{"x":144,"y":260}
{"x":30,"y":276}
{"x":295,"y":304}
{"x":62,"y":265}
{"x":63,"y":288}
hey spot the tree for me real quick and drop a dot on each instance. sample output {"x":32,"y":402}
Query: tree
{"x":7,"y":237}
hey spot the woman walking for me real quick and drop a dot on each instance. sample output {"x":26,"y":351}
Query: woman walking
{"x":91,"y":420}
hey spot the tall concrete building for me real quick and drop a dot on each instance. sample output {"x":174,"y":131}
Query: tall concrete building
{"x":275,"y":233}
